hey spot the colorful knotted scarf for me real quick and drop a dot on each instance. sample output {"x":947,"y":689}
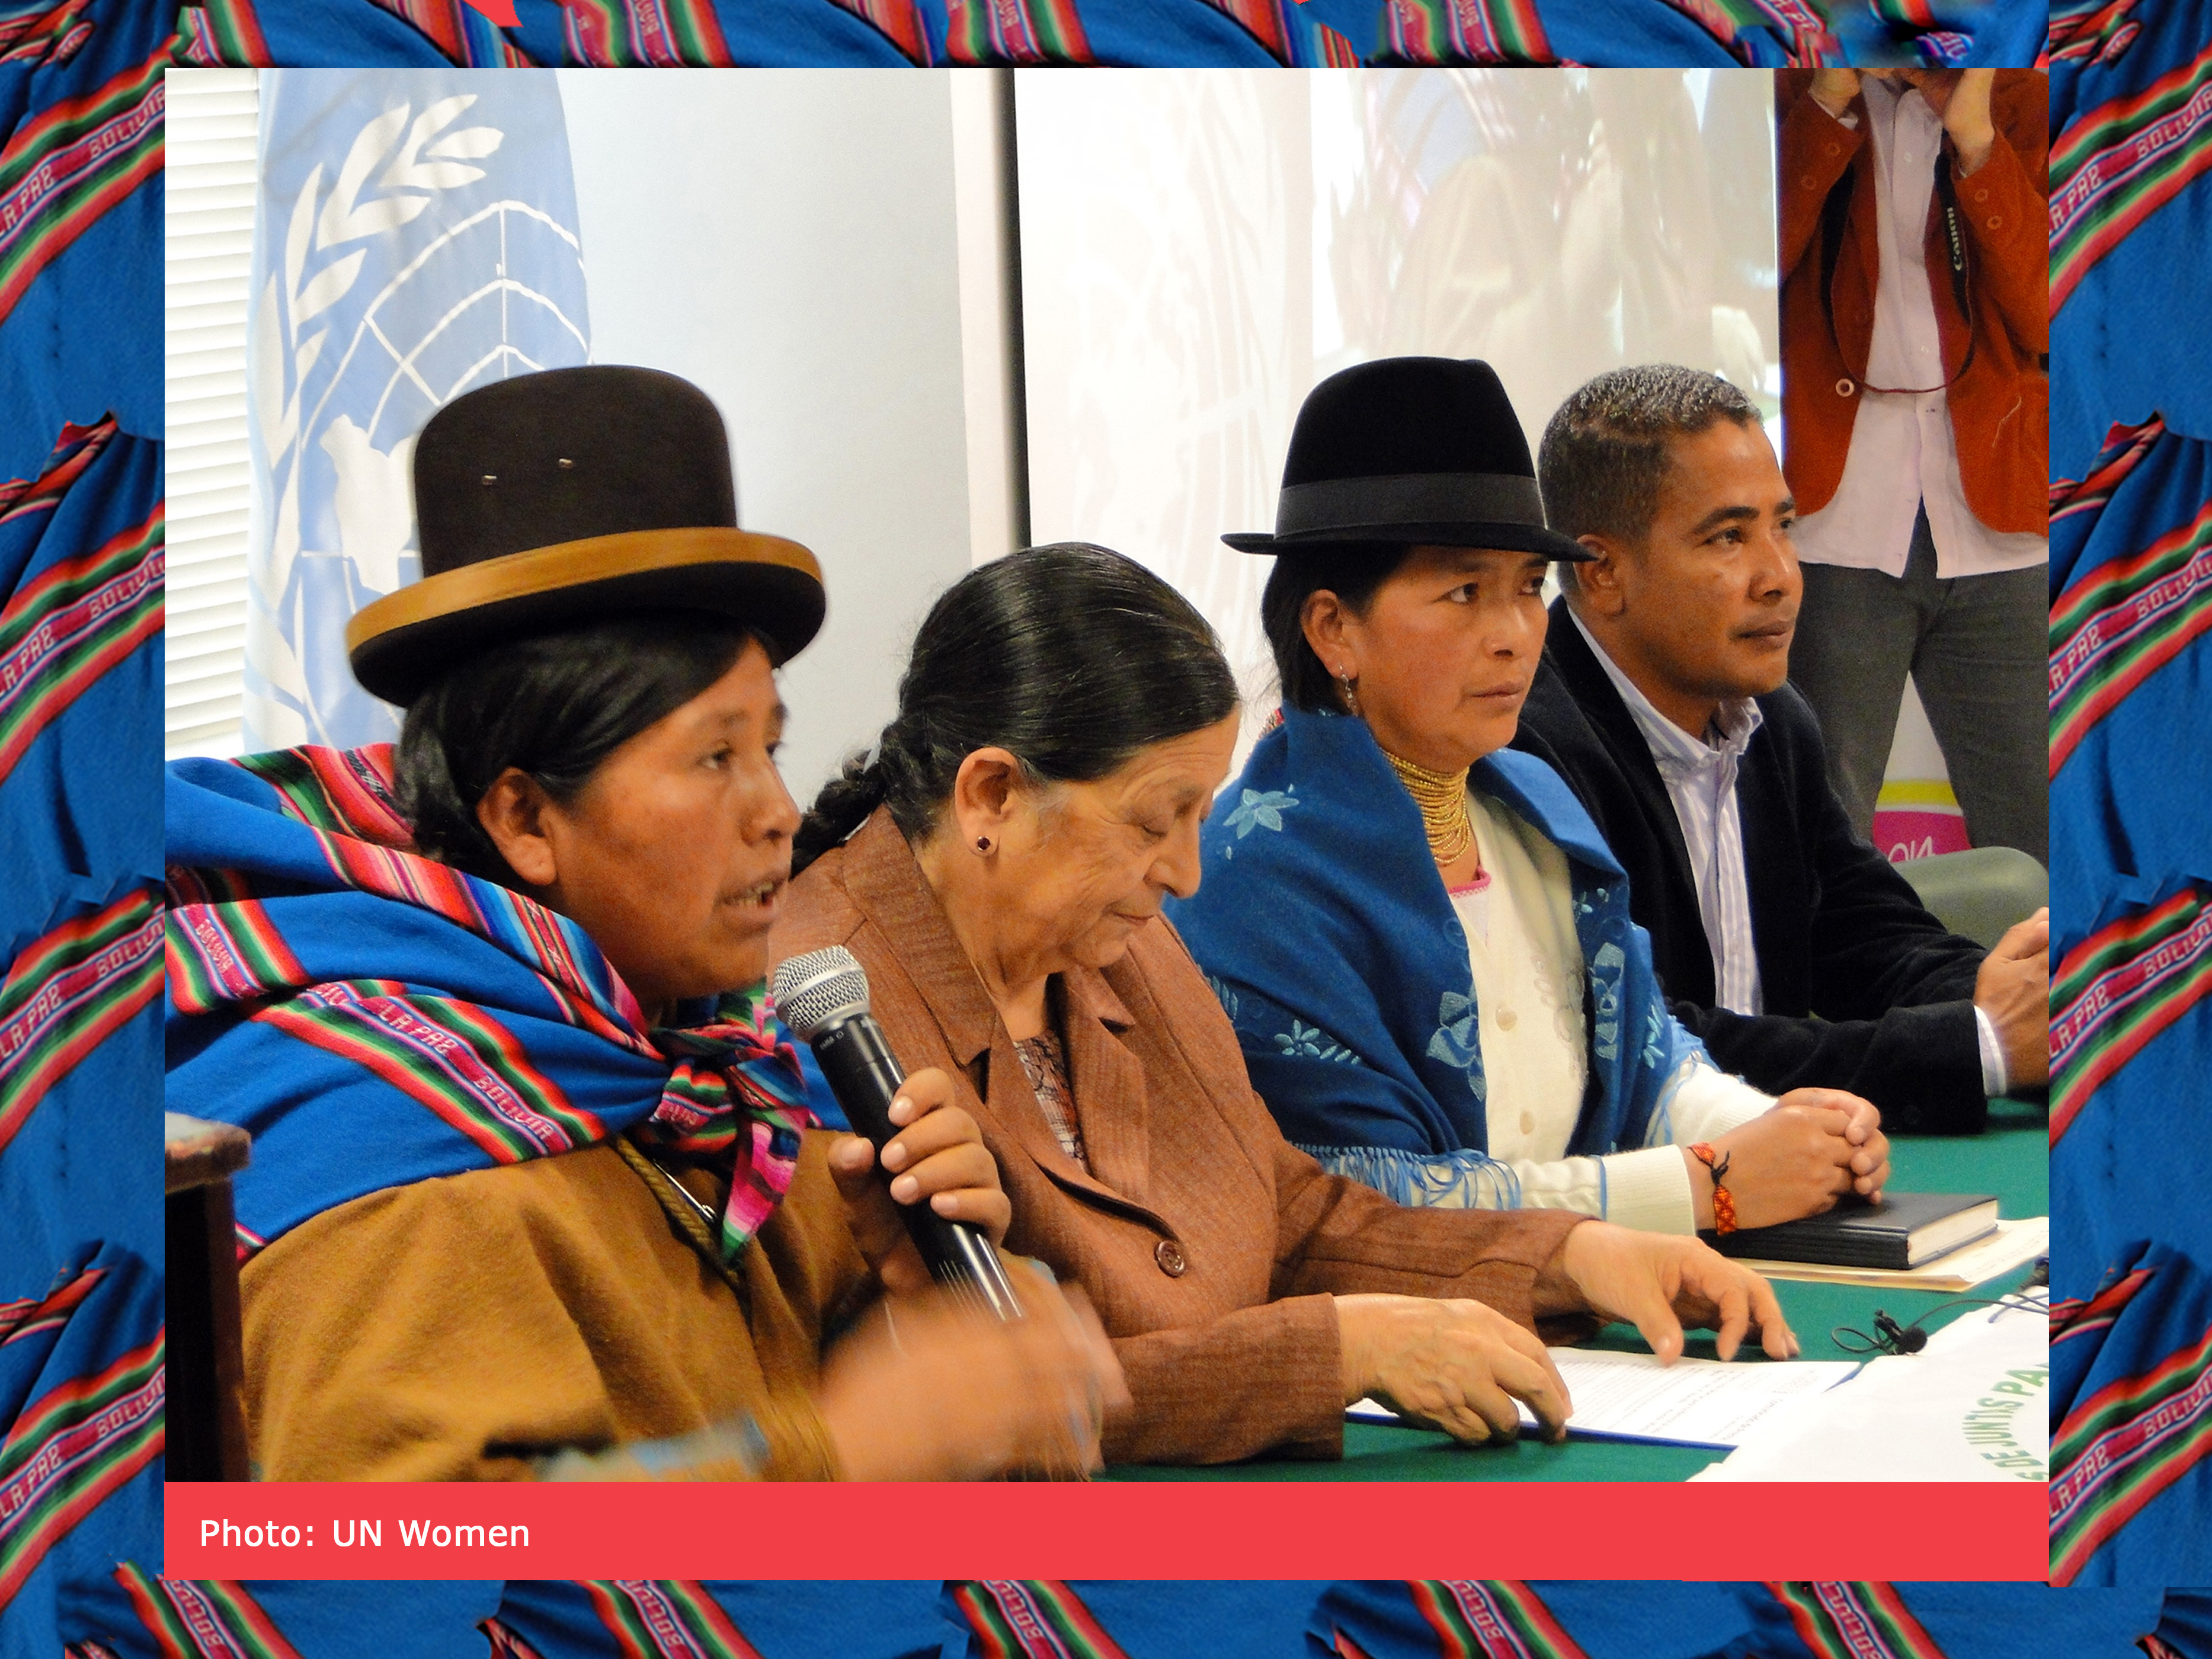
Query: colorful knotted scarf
{"x":373,"y":1018}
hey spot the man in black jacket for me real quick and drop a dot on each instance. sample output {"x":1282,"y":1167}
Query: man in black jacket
{"x":1661,"y":699}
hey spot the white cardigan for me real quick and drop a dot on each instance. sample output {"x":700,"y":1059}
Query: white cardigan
{"x":1528,"y":978}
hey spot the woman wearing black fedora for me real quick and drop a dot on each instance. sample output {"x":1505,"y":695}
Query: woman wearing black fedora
{"x":1421,"y":937}
{"x":533,"y":1187}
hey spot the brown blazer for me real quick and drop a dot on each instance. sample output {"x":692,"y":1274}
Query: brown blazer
{"x":2000,"y":406}
{"x":1209,"y":1245}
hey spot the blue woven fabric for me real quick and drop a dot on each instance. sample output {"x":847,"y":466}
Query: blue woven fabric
{"x":2150,"y":285}
{"x":1142,"y":1619}
{"x":2131,"y":583}
{"x":77,"y":784}
{"x":81,"y":1235}
{"x":827,"y":1619}
{"x":1943,"y":1621}
{"x":317,"y":1619}
{"x":1603,"y":1619}
{"x":2131,"y":1421}
{"x":83,"y":338}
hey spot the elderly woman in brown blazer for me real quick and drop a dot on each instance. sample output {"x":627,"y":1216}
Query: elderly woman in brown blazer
{"x":1062,"y":726}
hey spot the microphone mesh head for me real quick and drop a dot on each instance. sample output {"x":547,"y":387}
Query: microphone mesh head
{"x":814,"y":989}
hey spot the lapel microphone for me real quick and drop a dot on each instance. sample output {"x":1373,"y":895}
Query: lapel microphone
{"x":822,"y":997}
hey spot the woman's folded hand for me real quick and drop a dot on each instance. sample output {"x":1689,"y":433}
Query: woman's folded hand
{"x":1814,"y":1148}
{"x":938,"y":1158}
{"x":1659,"y":1283}
{"x":931,"y":1390}
{"x":1456,"y":1365}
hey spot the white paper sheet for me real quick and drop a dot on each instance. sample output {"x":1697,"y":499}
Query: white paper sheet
{"x":1973,"y":1405}
{"x":1692,"y":1402}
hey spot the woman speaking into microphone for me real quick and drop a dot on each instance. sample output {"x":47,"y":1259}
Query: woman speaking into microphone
{"x":533,"y":1185}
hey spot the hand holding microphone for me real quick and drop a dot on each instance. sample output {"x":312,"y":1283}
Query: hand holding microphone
{"x":938,"y":1159}
{"x":822,"y":997}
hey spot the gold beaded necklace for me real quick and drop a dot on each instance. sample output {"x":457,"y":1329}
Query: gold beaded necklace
{"x":1442,"y":797}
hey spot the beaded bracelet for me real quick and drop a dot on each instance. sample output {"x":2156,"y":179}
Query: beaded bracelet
{"x":1724,"y":1201}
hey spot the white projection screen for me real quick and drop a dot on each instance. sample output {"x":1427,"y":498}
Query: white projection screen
{"x":1198,"y":247}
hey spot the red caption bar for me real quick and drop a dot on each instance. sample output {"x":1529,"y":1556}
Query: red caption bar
{"x":1202,"y":1529}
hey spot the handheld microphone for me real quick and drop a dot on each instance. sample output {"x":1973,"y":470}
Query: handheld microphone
{"x":822,"y":997}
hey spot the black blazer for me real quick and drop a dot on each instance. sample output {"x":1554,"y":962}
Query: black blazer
{"x":1840,"y":934}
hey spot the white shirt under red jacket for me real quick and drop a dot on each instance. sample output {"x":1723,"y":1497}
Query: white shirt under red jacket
{"x":1903,"y":449}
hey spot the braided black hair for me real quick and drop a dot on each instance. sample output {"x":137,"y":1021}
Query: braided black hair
{"x":1071,"y":657}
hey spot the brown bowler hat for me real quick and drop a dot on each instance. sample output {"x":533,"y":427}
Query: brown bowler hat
{"x":566,"y":496}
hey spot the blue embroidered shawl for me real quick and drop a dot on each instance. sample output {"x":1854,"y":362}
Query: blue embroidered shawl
{"x":1325,"y":928}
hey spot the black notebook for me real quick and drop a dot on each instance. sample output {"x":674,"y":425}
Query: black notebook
{"x":1904,"y":1231}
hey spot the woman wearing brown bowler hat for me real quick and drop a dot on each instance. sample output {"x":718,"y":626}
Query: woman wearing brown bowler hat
{"x":533,"y":1189}
{"x":998,"y":867}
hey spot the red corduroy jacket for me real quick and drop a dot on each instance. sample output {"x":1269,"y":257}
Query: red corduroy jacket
{"x":2000,"y":403}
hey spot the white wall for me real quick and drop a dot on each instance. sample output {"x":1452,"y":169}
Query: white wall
{"x":785,"y":239}
{"x":1199,"y":247}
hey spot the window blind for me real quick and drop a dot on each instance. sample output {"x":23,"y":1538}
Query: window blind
{"x":210,"y":170}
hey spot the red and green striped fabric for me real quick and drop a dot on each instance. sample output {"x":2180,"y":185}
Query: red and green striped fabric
{"x":2125,"y":448}
{"x":1016,"y":32}
{"x":667,"y":1619}
{"x":29,"y":1316}
{"x":203,"y":1618}
{"x":447,"y":1055}
{"x":344,"y":796}
{"x":1032,"y":1619}
{"x":1491,"y":1619}
{"x":69,"y":992}
{"x":77,"y":449}
{"x":221,"y":33}
{"x":482,"y":1083}
{"x":1333,"y":50}
{"x":644,"y":34}
{"x":2117,"y":989}
{"x":71,"y":1448}
{"x":217,"y":32}
{"x":899,"y":21}
{"x":1466,"y":32}
{"x":2128,"y":619}
{"x":2075,"y":1316}
{"x":2122,"y":1446}
{"x":1264,"y":20}
{"x":67,"y":165}
{"x":2118,"y":163}
{"x":506,"y":1643}
{"x":2089,"y":31}
{"x":70,"y":623}
{"x":45,"y":33}
{"x":1854,"y":1621}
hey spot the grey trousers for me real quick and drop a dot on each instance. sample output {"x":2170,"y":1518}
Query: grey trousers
{"x":1978,"y":649}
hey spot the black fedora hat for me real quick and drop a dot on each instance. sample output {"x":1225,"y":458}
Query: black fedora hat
{"x":1422,"y":449}
{"x":566,"y":496}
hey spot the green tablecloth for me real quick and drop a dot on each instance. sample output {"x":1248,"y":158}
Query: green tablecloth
{"x":2011,"y":1160}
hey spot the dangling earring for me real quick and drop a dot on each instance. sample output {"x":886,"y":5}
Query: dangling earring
{"x":1351,"y":697}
